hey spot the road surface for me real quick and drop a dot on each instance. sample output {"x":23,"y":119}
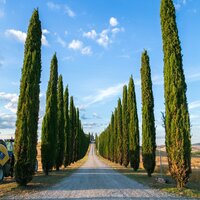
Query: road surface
{"x":96,"y":180}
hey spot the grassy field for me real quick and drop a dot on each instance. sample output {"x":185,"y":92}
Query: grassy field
{"x":192,"y":189}
{"x":40,"y":181}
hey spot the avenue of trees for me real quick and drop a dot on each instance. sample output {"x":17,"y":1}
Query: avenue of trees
{"x":63,"y":139}
{"x":176,"y":116}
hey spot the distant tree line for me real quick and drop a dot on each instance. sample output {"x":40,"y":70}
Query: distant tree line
{"x":120,"y":138}
{"x":63,"y":138}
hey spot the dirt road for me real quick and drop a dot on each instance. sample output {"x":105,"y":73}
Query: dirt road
{"x":95,"y":180}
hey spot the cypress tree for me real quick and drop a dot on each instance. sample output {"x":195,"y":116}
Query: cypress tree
{"x":112,"y":140}
{"x":148,"y":124}
{"x":60,"y":126}
{"x":116,"y":137}
{"x":77,"y":135}
{"x":71,"y":131}
{"x":120,"y":133}
{"x":134,"y":143}
{"x":125,"y":128}
{"x":177,"y":122}
{"x":66,"y":127}
{"x":28,"y":104}
{"x":74,"y":135}
{"x":49,"y":125}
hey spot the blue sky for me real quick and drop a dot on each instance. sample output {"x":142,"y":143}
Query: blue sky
{"x":98,"y":45}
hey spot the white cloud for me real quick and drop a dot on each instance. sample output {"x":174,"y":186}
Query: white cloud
{"x":86,"y":51}
{"x":16,"y":34}
{"x":195,"y":104}
{"x":113,"y":21}
{"x":103,"y":39}
{"x":117,"y":30}
{"x":11,"y":100}
{"x":45,"y":31}
{"x":7,"y":121}
{"x":69,"y":12}
{"x":75,"y":45}
{"x":21,"y":36}
{"x":53,"y":6}
{"x":91,"y":34}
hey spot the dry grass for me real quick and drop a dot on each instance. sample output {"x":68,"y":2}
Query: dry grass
{"x":40,"y":181}
{"x":192,"y":189}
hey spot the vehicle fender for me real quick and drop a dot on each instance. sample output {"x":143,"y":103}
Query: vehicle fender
{"x":4,"y":157}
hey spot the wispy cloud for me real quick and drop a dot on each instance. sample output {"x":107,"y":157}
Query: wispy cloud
{"x":104,"y":94}
{"x":179,"y":3}
{"x":61,"y":41}
{"x":96,"y":116}
{"x":90,"y":34}
{"x":11,"y":100}
{"x":7,"y":121}
{"x":193,"y":77}
{"x":53,"y":6}
{"x":194,"y":104}
{"x":69,"y":11}
{"x":77,"y":45}
{"x":104,"y":38}
{"x":21,"y":36}
{"x":65,"y":8}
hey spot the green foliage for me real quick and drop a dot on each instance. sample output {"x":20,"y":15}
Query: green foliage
{"x":66,"y":128}
{"x":125,"y":128}
{"x":71,"y":131}
{"x":177,"y":122}
{"x":60,"y":125}
{"x":148,"y":124}
{"x":115,"y":133}
{"x":112,"y":138}
{"x":120,"y":133}
{"x":49,"y":125}
{"x":134,"y":143}
{"x":28,"y":104}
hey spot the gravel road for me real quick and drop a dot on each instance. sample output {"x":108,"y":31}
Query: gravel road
{"x":95,"y":180}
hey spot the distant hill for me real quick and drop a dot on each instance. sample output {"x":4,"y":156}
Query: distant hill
{"x":196,"y":144}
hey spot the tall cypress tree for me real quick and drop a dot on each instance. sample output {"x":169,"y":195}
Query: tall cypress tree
{"x":60,"y":126}
{"x":148,"y":121}
{"x":125,"y":128}
{"x":66,"y":127}
{"x":49,"y":125}
{"x":112,"y":140}
{"x":120,"y":133}
{"x":71,"y":130}
{"x":115,"y":136}
{"x":177,"y":122}
{"x":28,"y":104}
{"x":134,"y":143}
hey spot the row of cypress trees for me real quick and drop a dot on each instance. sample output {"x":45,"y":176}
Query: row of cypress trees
{"x":63,"y":139}
{"x":176,"y":116}
{"x":120,"y":140}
